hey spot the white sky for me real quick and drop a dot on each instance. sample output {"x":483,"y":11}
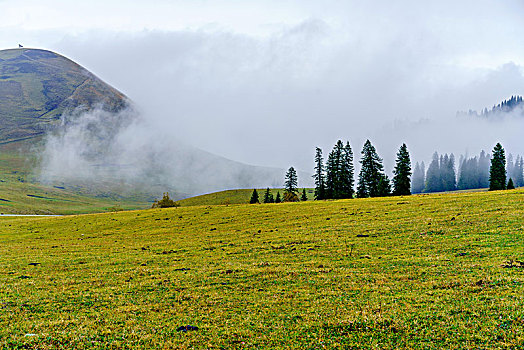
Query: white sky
{"x":264,"y":82}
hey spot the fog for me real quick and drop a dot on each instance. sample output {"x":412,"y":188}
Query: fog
{"x":265,"y":82}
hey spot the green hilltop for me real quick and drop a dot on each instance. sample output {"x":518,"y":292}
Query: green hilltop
{"x":38,"y":86}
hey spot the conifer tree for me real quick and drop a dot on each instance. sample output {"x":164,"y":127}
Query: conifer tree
{"x":277,"y":199}
{"x":291,"y":183}
{"x":347,"y":172}
{"x":433,"y":178}
{"x":402,"y":173}
{"x":419,"y":178}
{"x":497,"y":171}
{"x":384,"y":186}
{"x":254,"y":197}
{"x":304,"y":195}
{"x":268,"y":197}
{"x":371,"y":173}
{"x":483,"y":169}
{"x":320,"y":181}
{"x":510,"y":185}
{"x":519,"y":172}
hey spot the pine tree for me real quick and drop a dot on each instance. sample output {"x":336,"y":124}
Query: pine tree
{"x":483,"y":169}
{"x":402,"y":173}
{"x":384,"y":186}
{"x":268,"y":197}
{"x":510,"y":185}
{"x":519,"y":172}
{"x":497,"y":171}
{"x":320,"y":181}
{"x":277,"y":199}
{"x":433,"y":178}
{"x":291,"y":183}
{"x":371,"y":173}
{"x":254,"y":197}
{"x":304,"y":195}
{"x":347,"y":180}
{"x":419,"y":178}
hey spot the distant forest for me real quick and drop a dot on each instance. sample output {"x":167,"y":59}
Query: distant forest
{"x":506,"y":106}
{"x":473,"y":172}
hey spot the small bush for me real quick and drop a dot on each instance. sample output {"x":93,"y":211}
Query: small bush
{"x":165,"y":202}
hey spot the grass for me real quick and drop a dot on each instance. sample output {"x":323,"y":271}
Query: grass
{"x":21,"y":193}
{"x":431,"y":271}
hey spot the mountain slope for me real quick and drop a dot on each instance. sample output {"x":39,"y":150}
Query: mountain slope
{"x":38,"y":86}
{"x":81,"y":134}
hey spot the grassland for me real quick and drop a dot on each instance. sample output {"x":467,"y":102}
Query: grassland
{"x":432,"y":271}
{"x":21,"y":193}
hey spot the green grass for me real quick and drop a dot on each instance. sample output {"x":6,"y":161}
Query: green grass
{"x":399,"y":272}
{"x":21,"y":193}
{"x":239,"y":196}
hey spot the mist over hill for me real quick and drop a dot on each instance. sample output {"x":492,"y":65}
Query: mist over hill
{"x":88,"y":134}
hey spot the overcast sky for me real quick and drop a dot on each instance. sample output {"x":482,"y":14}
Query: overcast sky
{"x":264,"y":82}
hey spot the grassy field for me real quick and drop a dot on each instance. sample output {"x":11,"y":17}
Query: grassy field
{"x":430,"y":271}
{"x":240,"y":196}
{"x":21,"y":193}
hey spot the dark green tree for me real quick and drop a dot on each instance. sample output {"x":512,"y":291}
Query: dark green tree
{"x":497,"y":171}
{"x":347,"y":172}
{"x":402,"y":173}
{"x":510,"y":185}
{"x":165,"y":202}
{"x":268,"y":196}
{"x":384,"y":186}
{"x":304,"y":195}
{"x":291,"y":183}
{"x":254,"y":197}
{"x":371,"y":173}
{"x":277,"y":198}
{"x":320,"y":180}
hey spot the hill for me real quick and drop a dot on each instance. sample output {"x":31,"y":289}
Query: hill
{"x":38,"y":86}
{"x":429,"y":271}
{"x":74,"y":131}
{"x":239,"y":196}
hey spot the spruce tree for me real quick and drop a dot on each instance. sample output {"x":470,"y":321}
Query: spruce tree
{"x":254,"y":197}
{"x":268,"y":197}
{"x":497,"y":171}
{"x":510,"y":185}
{"x":348,"y":170}
{"x":304,"y":195}
{"x":483,"y":169}
{"x":419,"y":178}
{"x":433,"y":178}
{"x":519,"y":172}
{"x":384,"y":186}
{"x":291,"y":183}
{"x":320,"y":181}
{"x":371,"y":173}
{"x":277,"y":199}
{"x":402,"y":173}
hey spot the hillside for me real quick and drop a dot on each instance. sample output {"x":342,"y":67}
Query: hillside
{"x":38,"y":86}
{"x":239,"y":196}
{"x":429,"y":271}
{"x":101,"y":150}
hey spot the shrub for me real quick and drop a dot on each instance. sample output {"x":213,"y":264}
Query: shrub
{"x":165,"y":202}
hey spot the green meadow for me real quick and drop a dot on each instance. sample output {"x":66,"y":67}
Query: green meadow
{"x":429,"y":271}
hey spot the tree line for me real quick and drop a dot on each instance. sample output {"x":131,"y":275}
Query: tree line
{"x":473,"y":172}
{"x":335,"y":179}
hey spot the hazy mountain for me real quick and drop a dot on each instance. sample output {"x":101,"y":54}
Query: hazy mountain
{"x":90,"y":135}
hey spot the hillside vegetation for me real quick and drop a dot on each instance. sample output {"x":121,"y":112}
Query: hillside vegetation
{"x":38,"y":86}
{"x":430,"y":271}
